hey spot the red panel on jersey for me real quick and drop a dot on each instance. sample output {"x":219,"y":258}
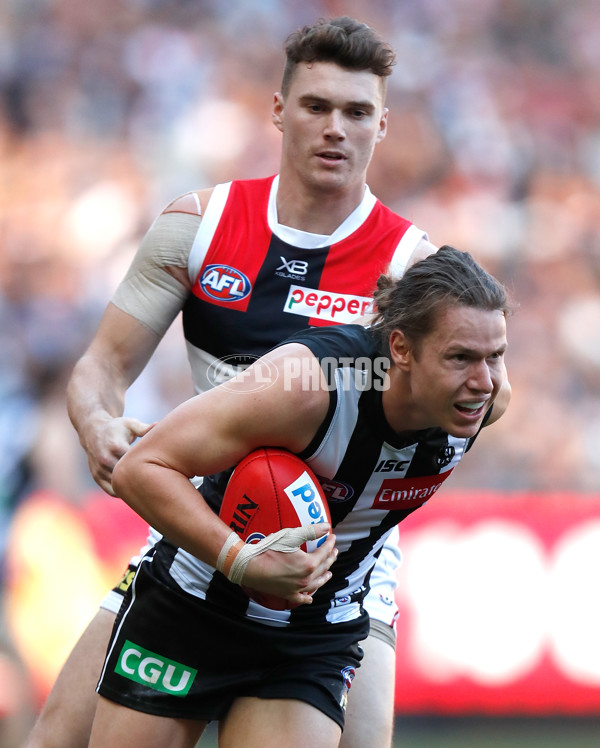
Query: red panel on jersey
{"x":353,"y":268}
{"x":230,"y":284}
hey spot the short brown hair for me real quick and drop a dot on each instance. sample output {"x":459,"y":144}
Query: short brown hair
{"x":345,"y":41}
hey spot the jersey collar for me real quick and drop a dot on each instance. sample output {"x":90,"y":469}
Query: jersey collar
{"x":306,"y":240}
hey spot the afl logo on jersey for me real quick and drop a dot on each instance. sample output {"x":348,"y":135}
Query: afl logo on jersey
{"x":336,"y":491}
{"x":224,"y":283}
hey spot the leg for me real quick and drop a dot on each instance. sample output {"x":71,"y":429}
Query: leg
{"x":370,"y":710}
{"x":67,"y":716}
{"x":272,"y":723}
{"x":116,"y":726}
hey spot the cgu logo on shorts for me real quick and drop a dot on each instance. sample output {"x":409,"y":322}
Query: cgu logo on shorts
{"x":333,"y":307}
{"x":308,"y":504}
{"x":224,"y":283}
{"x":154,"y":671}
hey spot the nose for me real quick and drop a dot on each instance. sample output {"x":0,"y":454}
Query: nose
{"x":334,"y":127}
{"x":480,"y":379}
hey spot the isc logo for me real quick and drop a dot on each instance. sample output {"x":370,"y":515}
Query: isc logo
{"x":224,"y":283}
{"x":154,"y":671}
{"x":389,"y":466}
{"x":308,"y":505}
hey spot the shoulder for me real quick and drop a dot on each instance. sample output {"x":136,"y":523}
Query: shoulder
{"x":337,"y":341}
{"x":194,"y":203}
{"x":423,"y":249}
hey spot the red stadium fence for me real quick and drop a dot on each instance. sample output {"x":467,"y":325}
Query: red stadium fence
{"x":498,"y":594}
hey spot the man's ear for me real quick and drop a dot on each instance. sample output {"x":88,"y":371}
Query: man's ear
{"x":383,"y":126}
{"x":277,"y":111}
{"x":400,"y":350}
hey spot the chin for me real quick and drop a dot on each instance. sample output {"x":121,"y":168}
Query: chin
{"x":464,"y":432}
{"x":333,"y":178}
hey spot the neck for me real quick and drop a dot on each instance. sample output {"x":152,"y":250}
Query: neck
{"x":315,"y":211}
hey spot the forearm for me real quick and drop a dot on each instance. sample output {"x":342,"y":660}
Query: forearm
{"x":167,"y":500}
{"x":119,"y":351}
{"x":95,"y":393}
{"x":95,"y":403}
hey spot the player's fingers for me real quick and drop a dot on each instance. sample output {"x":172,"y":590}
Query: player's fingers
{"x":325,"y":554}
{"x":106,"y":485}
{"x":138,"y":428}
{"x":299,"y":535}
{"x":302,"y":598}
{"x":319,"y":530}
{"x":322,"y":567}
{"x":289,"y":539}
{"x":317,"y":583}
{"x":305,"y":596}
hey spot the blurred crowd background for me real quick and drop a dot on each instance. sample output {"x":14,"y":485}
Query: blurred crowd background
{"x":109,"y":110}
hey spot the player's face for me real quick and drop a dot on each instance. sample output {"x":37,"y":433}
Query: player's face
{"x":331,"y":120}
{"x":458,"y":370}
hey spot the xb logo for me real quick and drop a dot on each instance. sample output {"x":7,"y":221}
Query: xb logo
{"x":295,"y":267}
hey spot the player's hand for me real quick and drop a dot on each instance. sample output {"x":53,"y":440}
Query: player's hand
{"x":292,"y":573}
{"x":105,"y":441}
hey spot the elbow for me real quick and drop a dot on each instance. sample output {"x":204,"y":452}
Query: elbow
{"x":131,"y":484}
{"x":123,"y":480}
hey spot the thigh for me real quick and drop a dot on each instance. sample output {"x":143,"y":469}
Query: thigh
{"x":370,"y":710}
{"x":117,"y":726}
{"x":66,"y":718}
{"x":272,"y":723}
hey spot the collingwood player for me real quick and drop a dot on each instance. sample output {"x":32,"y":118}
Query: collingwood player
{"x":442,"y":328}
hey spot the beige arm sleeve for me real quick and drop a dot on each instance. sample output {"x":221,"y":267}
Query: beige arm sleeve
{"x":157,"y":283}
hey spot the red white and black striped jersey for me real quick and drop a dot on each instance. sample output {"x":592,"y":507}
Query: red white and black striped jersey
{"x":255,"y":282}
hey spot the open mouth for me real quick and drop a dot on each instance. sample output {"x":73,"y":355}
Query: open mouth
{"x":470,"y":409}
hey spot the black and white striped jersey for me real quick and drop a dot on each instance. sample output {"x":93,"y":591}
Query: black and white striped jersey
{"x":373,"y":478}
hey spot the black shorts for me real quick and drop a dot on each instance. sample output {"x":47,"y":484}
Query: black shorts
{"x":175,"y":655}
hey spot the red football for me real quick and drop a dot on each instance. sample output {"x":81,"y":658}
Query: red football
{"x":271,"y":489}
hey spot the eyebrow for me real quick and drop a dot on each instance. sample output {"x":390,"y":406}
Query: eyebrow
{"x":313,"y":98}
{"x":453,"y":350}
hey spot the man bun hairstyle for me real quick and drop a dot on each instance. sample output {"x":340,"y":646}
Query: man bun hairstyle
{"x":345,"y":41}
{"x":446,"y":278}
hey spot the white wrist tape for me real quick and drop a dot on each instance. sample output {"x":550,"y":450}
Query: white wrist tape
{"x":235,"y":555}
